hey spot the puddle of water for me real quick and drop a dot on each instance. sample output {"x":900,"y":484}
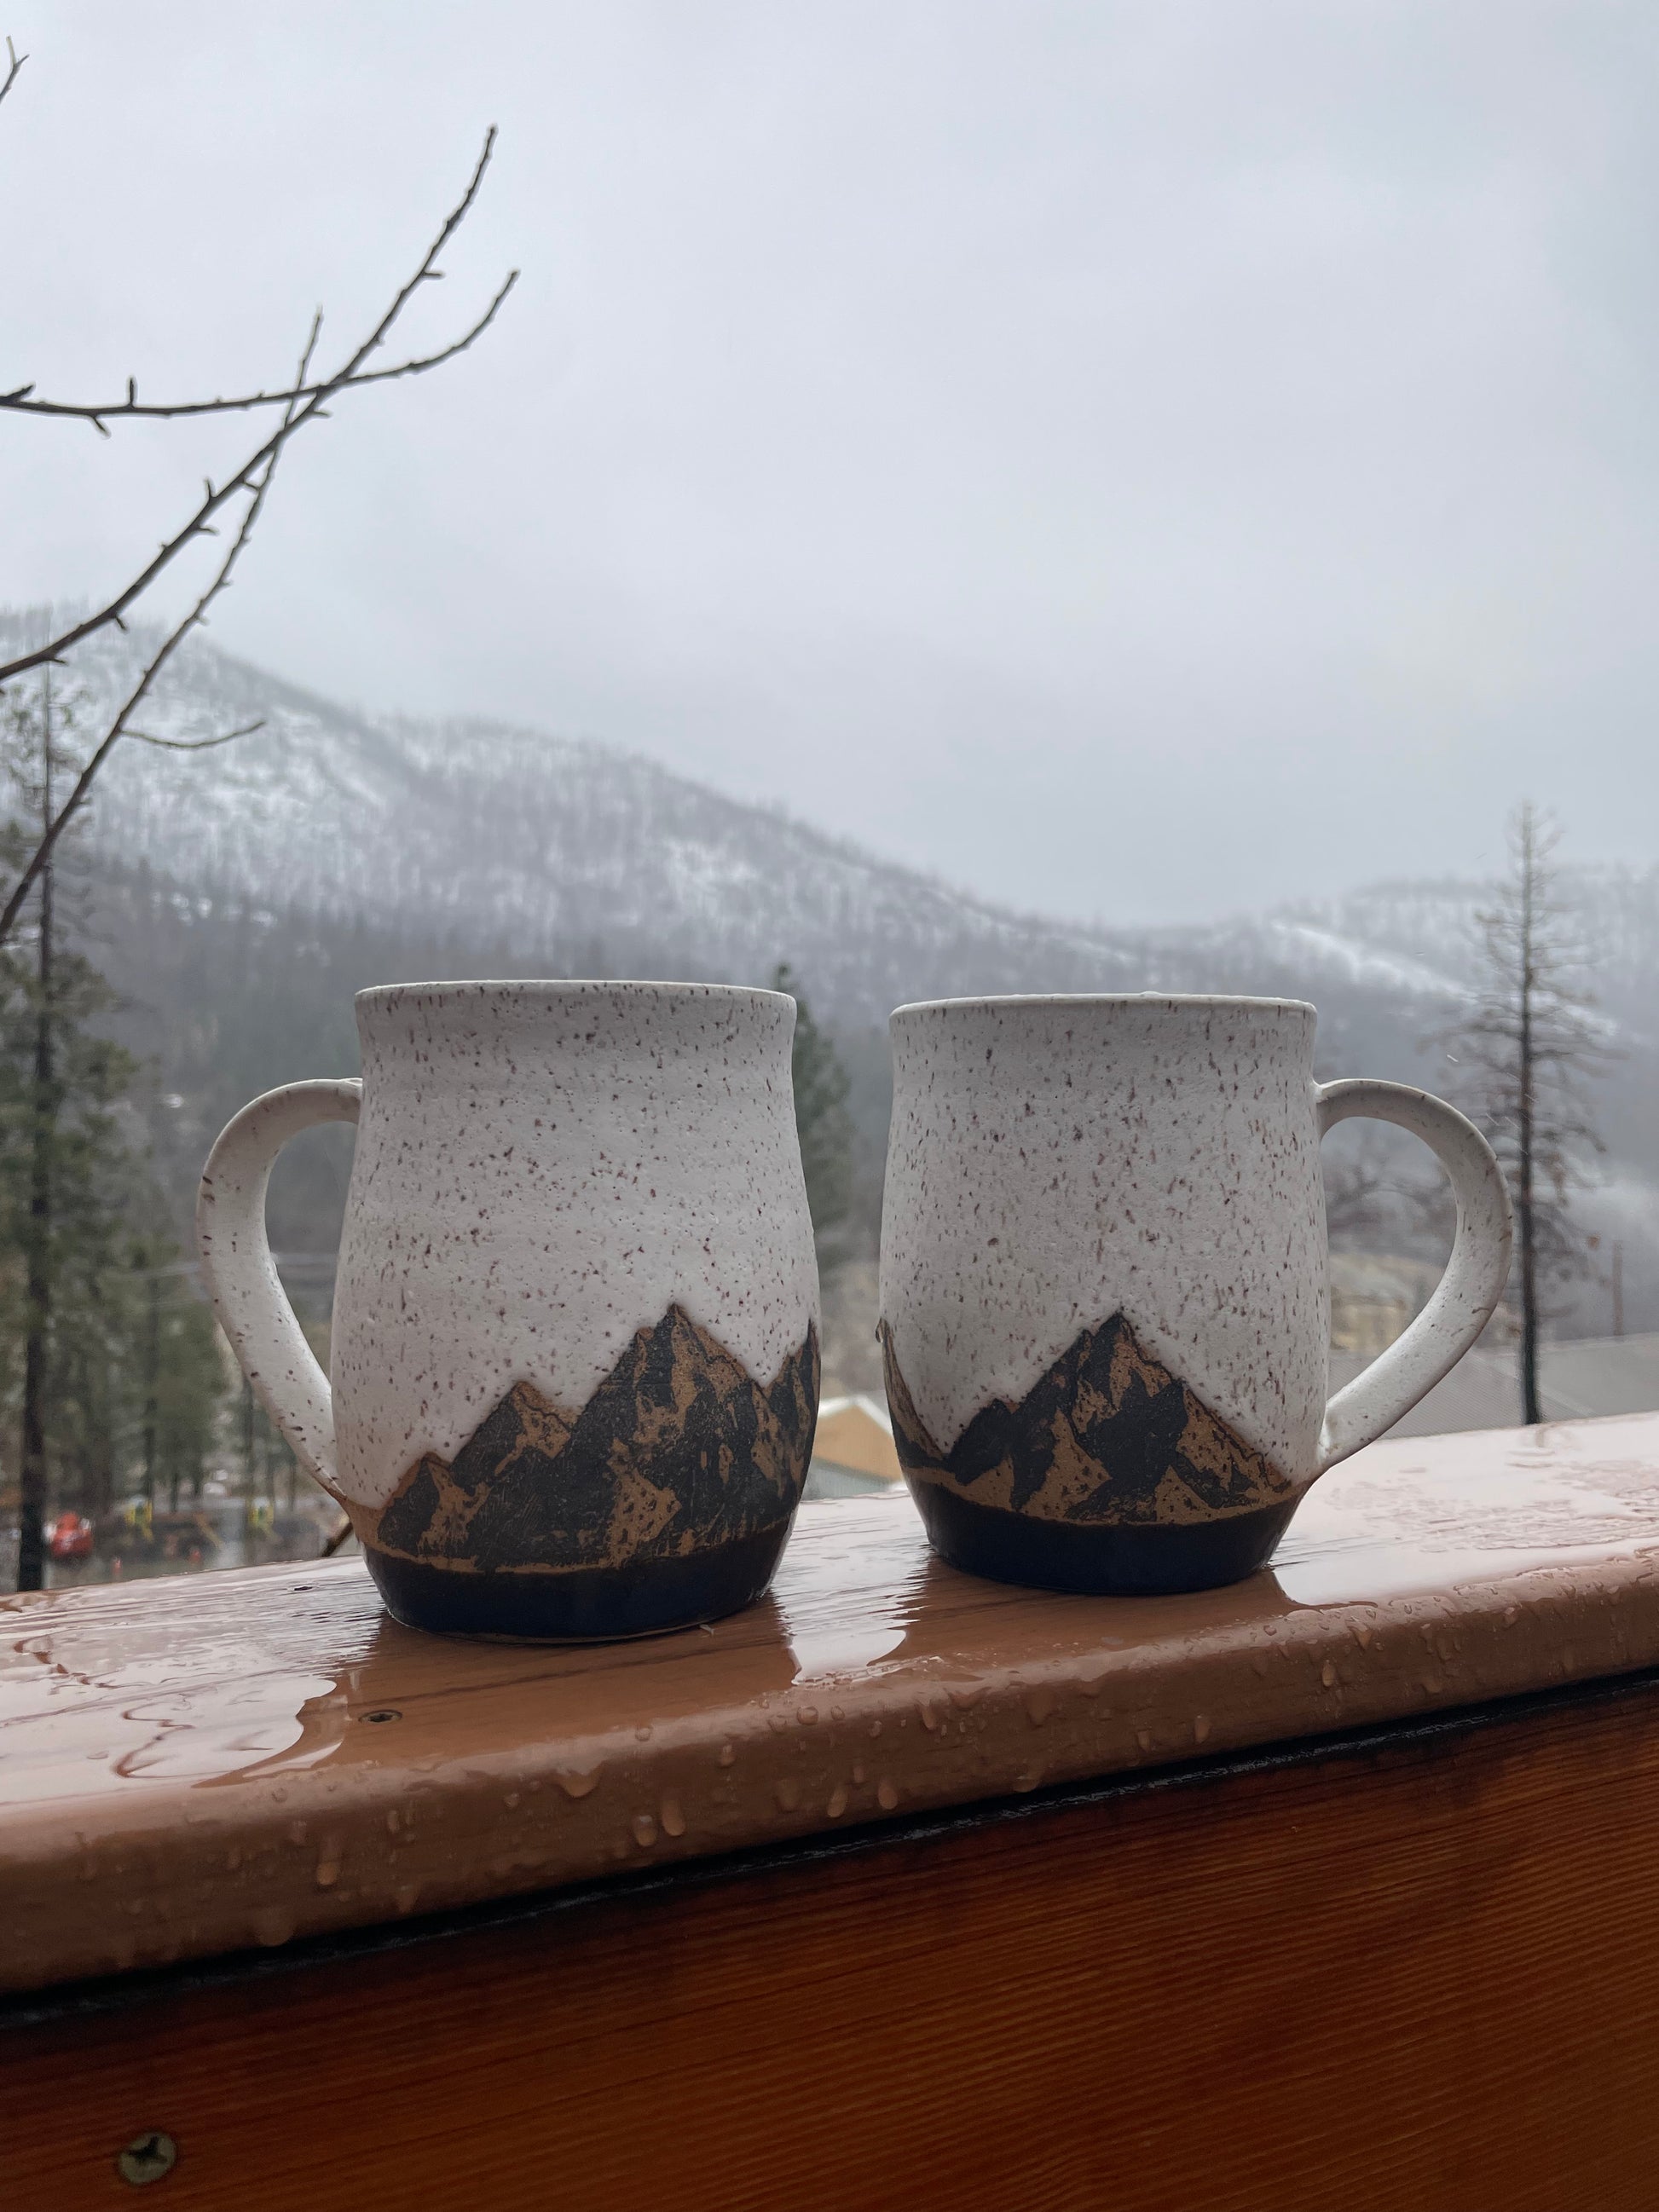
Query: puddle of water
{"x":113,"y":1694}
{"x":849,"y":1601}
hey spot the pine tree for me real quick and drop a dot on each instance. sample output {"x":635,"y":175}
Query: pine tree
{"x":822,"y":1121}
{"x":102,"y":1335}
{"x":64,"y":1179}
{"x":1528,"y":1050}
{"x":59,"y":1149}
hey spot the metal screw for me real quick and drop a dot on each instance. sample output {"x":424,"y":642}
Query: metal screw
{"x":385,"y":1713}
{"x":148,"y":2158}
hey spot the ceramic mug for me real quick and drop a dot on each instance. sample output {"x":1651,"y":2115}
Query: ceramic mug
{"x":576,"y":1348}
{"x":1104,"y":1311}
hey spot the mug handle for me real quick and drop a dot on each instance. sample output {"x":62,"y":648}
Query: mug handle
{"x":1465,"y":1294}
{"x":253,"y":1306}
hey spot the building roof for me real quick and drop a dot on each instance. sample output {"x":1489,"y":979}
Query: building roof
{"x":855,"y":1433}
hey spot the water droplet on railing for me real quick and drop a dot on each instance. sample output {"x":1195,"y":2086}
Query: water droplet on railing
{"x":272,"y":1926}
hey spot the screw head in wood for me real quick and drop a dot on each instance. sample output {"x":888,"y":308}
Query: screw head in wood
{"x":147,"y":2158}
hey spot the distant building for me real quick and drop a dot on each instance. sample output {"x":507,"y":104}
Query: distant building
{"x":1374,"y":1297}
{"x":852,"y":1453}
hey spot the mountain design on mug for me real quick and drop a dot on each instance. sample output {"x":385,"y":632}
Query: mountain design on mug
{"x":679,"y":1451}
{"x":1108,"y":1436}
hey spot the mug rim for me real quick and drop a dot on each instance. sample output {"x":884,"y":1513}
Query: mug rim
{"x":1177,"y":1001}
{"x":551,"y":986}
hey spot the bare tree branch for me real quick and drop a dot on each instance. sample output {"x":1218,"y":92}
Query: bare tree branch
{"x":195,"y":745}
{"x":21,"y":403}
{"x":83,"y":783}
{"x":16,"y":61}
{"x":254,"y":473}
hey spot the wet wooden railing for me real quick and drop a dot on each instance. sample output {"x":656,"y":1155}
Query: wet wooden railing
{"x":1332,"y":1889}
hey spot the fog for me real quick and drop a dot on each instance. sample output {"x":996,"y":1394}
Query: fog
{"x":1140,"y":462}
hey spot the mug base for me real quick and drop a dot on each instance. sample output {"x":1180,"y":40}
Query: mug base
{"x":582,"y":1605}
{"x":1127,"y":1561}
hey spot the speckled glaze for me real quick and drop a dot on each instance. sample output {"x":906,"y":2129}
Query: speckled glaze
{"x":574,"y":1339}
{"x":1104,"y":1306}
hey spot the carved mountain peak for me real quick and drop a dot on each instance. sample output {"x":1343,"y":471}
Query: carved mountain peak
{"x":678,"y":1449}
{"x":1108,"y":1434}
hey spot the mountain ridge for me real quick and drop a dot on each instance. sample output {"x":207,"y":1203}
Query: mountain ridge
{"x":243,"y":894}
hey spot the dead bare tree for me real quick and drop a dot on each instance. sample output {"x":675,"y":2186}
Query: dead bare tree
{"x":302,"y":402}
{"x":1528,"y":1051}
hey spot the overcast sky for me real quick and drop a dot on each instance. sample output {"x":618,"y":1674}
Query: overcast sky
{"x":1140,"y":461}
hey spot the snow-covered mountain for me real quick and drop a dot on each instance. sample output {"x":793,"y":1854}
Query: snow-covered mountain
{"x":484,"y":832}
{"x":245,"y":891}
{"x":561,"y":848}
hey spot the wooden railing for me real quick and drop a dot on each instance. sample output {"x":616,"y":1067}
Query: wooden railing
{"x":901,"y":1889}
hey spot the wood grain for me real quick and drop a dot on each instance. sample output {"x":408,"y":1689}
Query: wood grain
{"x":193,"y":1767}
{"x":1421,"y":1974}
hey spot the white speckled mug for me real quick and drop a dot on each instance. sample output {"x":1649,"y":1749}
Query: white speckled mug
{"x":1105,"y":1315}
{"x":576,"y":1358}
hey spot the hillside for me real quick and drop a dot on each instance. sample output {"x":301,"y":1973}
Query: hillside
{"x":241,"y":895}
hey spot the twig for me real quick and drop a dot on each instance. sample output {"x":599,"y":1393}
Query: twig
{"x":19,"y":402}
{"x":16,"y":61}
{"x":194,"y":745}
{"x":169,"y":646}
{"x":248,"y":477}
{"x":83,"y":783}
